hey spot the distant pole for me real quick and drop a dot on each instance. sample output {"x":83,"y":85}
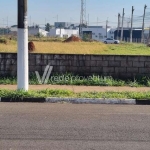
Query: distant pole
{"x":30,"y":21}
{"x":88,"y":19}
{"x":148,"y":40}
{"x":106,"y":27}
{"x":22,"y":57}
{"x":142,"y":34}
{"x":7,"y":25}
{"x":118,"y":26}
{"x":131,"y":25}
{"x":122,"y":25}
{"x":3,"y":27}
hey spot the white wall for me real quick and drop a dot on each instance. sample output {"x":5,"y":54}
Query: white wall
{"x":99,"y":34}
{"x":63,"y":32}
{"x":35,"y":31}
{"x":14,"y":29}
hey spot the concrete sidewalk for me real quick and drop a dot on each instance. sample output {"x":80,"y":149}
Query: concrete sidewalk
{"x":78,"y":89}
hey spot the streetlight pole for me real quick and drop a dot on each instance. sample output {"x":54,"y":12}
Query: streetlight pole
{"x":22,"y":57}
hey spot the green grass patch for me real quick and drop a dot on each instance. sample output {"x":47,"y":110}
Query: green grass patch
{"x":94,"y":80}
{"x":69,"y":94}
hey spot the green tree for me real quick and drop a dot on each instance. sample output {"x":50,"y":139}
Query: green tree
{"x":47,"y":27}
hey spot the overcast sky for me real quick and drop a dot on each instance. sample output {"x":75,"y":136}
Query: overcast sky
{"x":41,"y":11}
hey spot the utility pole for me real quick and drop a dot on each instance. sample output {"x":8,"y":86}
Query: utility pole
{"x":148,"y":40}
{"x":88,"y":19}
{"x":83,"y":22}
{"x":30,"y":21}
{"x":106,"y":27}
{"x":3,"y":27}
{"x":131,"y":25}
{"x":7,"y":25}
{"x":142,"y":34}
{"x":22,"y":57}
{"x":122,"y":25}
{"x":118,"y":26}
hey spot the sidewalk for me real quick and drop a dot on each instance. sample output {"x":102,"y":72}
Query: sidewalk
{"x":78,"y":89}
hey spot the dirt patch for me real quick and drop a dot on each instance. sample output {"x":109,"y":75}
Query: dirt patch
{"x":31,"y":46}
{"x":3,"y":41}
{"x":73,"y":39}
{"x":148,"y":45}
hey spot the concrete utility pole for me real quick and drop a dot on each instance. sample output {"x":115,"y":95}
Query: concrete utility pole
{"x":131,"y":25}
{"x":88,"y":19}
{"x":122,"y":25}
{"x":22,"y":57}
{"x":142,"y":34}
{"x":106,"y":27}
{"x":148,"y":40}
{"x":118,"y":26}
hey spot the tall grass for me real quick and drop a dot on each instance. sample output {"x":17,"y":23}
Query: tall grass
{"x":95,"y":80}
{"x":56,"y":46}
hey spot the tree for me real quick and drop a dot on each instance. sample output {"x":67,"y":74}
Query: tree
{"x":47,"y":27}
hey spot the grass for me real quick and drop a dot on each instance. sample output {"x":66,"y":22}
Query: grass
{"x":66,"y":94}
{"x":95,"y":80}
{"x":58,"y":47}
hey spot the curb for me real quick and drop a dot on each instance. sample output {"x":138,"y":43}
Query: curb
{"x":91,"y":101}
{"x":32,"y":100}
{"x":79,"y":101}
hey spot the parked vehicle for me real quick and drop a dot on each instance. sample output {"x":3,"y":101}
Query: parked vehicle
{"x":111,"y":41}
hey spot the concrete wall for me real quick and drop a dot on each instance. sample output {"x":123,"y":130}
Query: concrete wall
{"x":116,"y":66}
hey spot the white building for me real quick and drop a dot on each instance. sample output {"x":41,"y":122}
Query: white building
{"x":32,"y":31}
{"x":35,"y":31}
{"x":98,"y":33}
{"x":63,"y":33}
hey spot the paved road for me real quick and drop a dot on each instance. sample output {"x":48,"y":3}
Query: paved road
{"x":27,"y":126}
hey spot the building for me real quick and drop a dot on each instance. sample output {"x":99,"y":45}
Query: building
{"x":33,"y":31}
{"x":66,"y":25}
{"x":136,"y":34}
{"x":98,"y":33}
{"x":63,"y":33}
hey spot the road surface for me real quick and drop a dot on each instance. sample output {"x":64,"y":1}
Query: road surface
{"x":33,"y":126}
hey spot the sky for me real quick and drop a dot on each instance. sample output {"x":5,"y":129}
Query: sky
{"x":49,"y":11}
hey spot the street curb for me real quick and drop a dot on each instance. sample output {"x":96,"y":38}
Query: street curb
{"x":79,"y":100}
{"x":91,"y":101}
{"x":143,"y":102}
{"x":32,"y":100}
{"x":72,"y":100}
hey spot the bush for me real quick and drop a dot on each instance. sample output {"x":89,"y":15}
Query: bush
{"x":3,"y":41}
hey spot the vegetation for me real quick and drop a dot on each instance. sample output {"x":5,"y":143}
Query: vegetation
{"x":47,"y":27}
{"x":66,"y":93}
{"x":69,"y":79}
{"x":55,"y":45}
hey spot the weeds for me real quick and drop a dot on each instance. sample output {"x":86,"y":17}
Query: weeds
{"x":20,"y":94}
{"x":94,"y":80}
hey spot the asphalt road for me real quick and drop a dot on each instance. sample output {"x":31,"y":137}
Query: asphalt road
{"x":28,"y":126}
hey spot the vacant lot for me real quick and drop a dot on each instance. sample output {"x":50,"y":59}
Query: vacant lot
{"x":81,"y":48}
